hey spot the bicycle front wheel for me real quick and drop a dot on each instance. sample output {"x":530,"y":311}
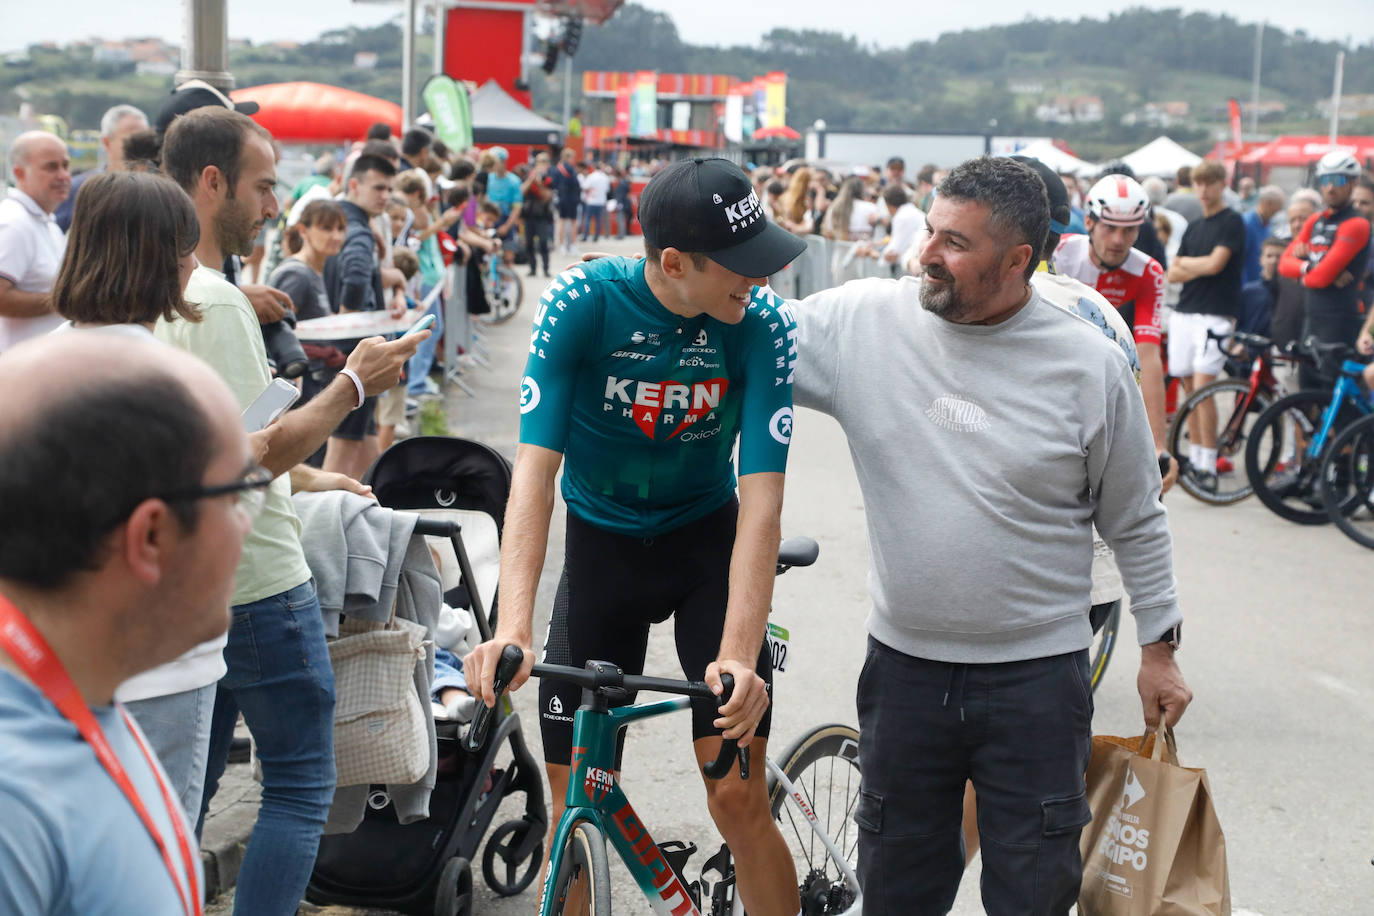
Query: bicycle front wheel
{"x":1235,"y":413}
{"x":504,"y":292}
{"x":1106,"y":621}
{"x":1347,"y":482}
{"x":1285,"y":476}
{"x":823,"y":767}
{"x":584,"y":875}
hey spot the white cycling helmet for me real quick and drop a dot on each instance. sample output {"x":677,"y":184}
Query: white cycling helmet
{"x":1337,"y":162}
{"x":1118,"y":201}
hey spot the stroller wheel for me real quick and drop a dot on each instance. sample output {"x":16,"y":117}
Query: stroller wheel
{"x":515,"y":842}
{"x":454,"y":894}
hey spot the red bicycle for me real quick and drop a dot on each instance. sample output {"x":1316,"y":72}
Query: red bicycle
{"x":1236,"y":402}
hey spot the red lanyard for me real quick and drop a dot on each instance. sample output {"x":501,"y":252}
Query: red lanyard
{"x":31,"y":652}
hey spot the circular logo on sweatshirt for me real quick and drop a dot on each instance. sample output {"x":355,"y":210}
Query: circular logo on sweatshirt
{"x":958,"y":413}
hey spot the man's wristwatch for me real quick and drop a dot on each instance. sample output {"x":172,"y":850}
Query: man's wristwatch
{"x":1173,"y":637}
{"x":1164,"y":461}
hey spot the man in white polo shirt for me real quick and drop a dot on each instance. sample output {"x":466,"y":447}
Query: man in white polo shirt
{"x":31,"y":244}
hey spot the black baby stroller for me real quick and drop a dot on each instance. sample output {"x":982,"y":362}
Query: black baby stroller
{"x":460,"y":489}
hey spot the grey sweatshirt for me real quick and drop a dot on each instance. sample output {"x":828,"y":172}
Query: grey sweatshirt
{"x":985,"y":454}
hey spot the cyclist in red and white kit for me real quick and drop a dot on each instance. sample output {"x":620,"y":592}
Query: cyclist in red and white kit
{"x":1129,"y":279}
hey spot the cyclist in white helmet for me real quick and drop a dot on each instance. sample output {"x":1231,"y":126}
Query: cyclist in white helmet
{"x":1131,"y":280}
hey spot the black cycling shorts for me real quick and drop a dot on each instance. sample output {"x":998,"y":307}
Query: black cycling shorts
{"x":613,"y":587}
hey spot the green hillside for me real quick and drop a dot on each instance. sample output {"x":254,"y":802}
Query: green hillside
{"x":958,"y":81}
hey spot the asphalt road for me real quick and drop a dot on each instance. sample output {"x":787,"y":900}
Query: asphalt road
{"x":1280,"y":625}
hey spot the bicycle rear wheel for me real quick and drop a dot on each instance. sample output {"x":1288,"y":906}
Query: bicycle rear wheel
{"x":823,"y":767}
{"x":1284,"y":475}
{"x":584,"y":875}
{"x":504,"y":292}
{"x":1234,"y":421}
{"x":1347,"y":482}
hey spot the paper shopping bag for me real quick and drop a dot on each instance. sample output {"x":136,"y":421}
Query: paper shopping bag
{"x":1155,"y":846}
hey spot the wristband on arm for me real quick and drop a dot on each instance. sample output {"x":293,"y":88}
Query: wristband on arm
{"x":357,"y":383}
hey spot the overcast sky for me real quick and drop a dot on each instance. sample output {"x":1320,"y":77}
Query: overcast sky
{"x":714,"y":22}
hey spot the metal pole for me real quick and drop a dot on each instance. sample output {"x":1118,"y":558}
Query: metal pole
{"x":205,"y":44}
{"x":1255,"y":83}
{"x":408,"y":66}
{"x":567,"y":95}
{"x":1336,"y":94}
{"x":440,"y":35}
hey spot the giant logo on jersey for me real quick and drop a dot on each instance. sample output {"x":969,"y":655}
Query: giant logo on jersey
{"x":654,"y":405}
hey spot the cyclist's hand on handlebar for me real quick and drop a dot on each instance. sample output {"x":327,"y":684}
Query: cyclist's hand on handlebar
{"x":739,"y":717}
{"x":479,"y":668}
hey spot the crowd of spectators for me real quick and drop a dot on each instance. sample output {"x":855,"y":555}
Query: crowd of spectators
{"x":181,"y":243}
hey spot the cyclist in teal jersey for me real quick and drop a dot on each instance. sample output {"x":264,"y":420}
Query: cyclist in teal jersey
{"x":641,"y":378}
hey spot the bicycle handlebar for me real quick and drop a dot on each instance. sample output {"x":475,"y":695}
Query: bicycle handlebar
{"x":609,"y":680}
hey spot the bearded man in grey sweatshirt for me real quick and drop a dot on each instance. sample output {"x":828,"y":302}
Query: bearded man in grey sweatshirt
{"x":990,"y":430}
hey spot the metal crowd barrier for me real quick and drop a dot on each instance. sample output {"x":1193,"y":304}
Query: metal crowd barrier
{"x":825,"y":264}
{"x":460,"y":329}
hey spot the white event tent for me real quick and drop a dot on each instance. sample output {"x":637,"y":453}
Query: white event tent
{"x":1161,"y":157}
{"x":1056,"y":158}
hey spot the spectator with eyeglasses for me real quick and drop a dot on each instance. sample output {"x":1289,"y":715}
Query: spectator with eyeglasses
{"x":128,"y":489}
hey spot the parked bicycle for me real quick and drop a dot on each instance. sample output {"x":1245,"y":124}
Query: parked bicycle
{"x":1237,"y":403}
{"x":1347,"y":482}
{"x":1289,"y":441}
{"x":501,"y":283}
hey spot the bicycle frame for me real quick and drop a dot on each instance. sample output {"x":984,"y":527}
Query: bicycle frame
{"x":1347,"y":388}
{"x":595,"y":795}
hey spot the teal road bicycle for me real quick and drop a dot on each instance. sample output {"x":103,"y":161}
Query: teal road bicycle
{"x":1290,"y":440}
{"x":813,"y":792}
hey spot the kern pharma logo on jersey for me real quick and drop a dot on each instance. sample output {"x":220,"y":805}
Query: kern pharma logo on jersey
{"x":654,"y":406}
{"x":1126,"y":840}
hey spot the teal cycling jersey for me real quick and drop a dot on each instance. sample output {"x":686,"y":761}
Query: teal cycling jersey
{"x":646,"y":405}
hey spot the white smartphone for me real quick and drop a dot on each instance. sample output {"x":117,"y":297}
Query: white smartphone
{"x":420,"y":325}
{"x":272,"y":403}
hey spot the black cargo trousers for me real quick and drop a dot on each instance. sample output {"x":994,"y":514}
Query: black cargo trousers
{"x":1021,"y":731}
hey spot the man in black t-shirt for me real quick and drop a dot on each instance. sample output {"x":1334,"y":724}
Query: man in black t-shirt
{"x":1208,"y":264}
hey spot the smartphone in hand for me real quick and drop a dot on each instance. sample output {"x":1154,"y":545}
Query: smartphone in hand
{"x":272,"y":403}
{"x":422,"y":324}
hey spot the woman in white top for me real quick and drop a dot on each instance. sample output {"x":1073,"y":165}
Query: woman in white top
{"x":851,"y":217}
{"x":130,"y":253}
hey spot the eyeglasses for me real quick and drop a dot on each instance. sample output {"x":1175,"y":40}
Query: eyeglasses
{"x":251,"y":490}
{"x":1337,"y":180}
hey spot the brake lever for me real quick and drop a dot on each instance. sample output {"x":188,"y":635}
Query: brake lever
{"x":730,"y":749}
{"x":506,"y":669}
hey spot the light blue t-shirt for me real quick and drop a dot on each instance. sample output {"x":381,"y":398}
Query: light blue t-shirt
{"x":504,"y":191}
{"x":70,"y":841}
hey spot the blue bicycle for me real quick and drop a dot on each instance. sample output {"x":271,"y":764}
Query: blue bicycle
{"x":1290,"y":440}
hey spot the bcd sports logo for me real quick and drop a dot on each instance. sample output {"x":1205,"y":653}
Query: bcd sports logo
{"x":958,"y":413}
